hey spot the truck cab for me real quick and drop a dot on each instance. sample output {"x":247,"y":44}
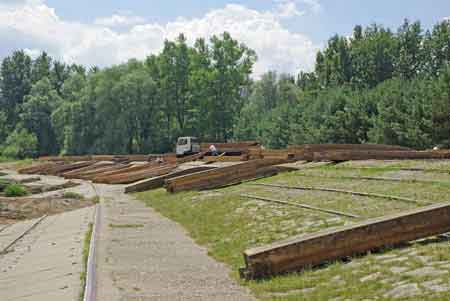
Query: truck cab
{"x":187,"y":146}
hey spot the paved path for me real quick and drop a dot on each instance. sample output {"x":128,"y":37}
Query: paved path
{"x":152,"y":258}
{"x":46,"y":263}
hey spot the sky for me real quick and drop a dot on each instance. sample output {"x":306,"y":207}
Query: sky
{"x":286,"y":34}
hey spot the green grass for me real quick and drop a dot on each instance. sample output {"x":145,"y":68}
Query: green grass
{"x":15,"y":190}
{"x":18,"y":163}
{"x":227,"y":225}
{"x":86,"y":247}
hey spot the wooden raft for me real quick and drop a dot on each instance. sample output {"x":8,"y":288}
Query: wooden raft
{"x":314,"y":249}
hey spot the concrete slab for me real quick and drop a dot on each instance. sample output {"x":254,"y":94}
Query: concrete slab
{"x":46,"y":263}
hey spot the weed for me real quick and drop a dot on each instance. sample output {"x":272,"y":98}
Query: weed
{"x":15,"y":190}
{"x":73,"y":195}
{"x":86,"y":248}
{"x":96,"y":200}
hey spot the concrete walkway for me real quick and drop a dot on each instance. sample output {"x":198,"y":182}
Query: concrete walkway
{"x":144,"y":256}
{"x":47,"y":262}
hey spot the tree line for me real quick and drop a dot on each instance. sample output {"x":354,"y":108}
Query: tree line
{"x":378,"y":86}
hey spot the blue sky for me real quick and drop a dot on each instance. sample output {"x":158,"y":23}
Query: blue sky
{"x":286,"y":34}
{"x":336,"y":16}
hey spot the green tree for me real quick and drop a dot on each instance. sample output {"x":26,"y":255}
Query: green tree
{"x":15,"y":84}
{"x":409,"y":61}
{"x":20,"y":144}
{"x":36,"y":115}
{"x":232,"y":64}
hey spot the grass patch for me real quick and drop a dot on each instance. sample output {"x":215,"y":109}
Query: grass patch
{"x":126,"y":225}
{"x":15,"y":190}
{"x":96,"y":200}
{"x":73,"y":195}
{"x":227,"y":225}
{"x":15,"y":163}
{"x":86,"y":247}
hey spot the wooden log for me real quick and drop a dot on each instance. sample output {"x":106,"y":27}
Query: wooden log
{"x":190,"y":158}
{"x":343,"y":146}
{"x":278,"y":154}
{"x":65,"y":158}
{"x":38,"y":168}
{"x":306,"y":151}
{"x":230,"y":146}
{"x":139,"y":175}
{"x":59,"y":169}
{"x":91,"y":174}
{"x":103,"y":157}
{"x":74,"y":173}
{"x":345,"y":155}
{"x":221,"y":176}
{"x":304,"y":251}
{"x":225,"y":158}
{"x":108,"y":174}
{"x":137,"y":158}
{"x":158,"y":182}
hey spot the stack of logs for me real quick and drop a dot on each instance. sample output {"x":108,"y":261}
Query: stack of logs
{"x":146,"y":172}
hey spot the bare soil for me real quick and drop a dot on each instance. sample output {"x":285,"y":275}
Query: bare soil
{"x":17,"y":209}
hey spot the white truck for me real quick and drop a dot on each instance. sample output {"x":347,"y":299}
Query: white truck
{"x":187,"y":146}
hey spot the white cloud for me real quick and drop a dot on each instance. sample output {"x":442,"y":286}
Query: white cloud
{"x":33,"y":53}
{"x":119,"y":20}
{"x":288,"y":9}
{"x":315,"y":5}
{"x":36,"y":26}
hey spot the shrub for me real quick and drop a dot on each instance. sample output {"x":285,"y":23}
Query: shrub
{"x":20,"y":144}
{"x":13,"y":190}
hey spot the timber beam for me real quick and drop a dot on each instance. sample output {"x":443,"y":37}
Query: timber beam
{"x":311,"y":250}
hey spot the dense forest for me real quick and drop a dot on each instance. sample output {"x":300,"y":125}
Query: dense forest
{"x":379,"y":85}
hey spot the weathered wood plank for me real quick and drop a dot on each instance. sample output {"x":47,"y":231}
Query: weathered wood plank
{"x":225,"y":158}
{"x":139,"y":175}
{"x":221,"y":176}
{"x":346,"y":155}
{"x":158,"y":182}
{"x":59,"y":169}
{"x":74,"y":173}
{"x":314,"y":249}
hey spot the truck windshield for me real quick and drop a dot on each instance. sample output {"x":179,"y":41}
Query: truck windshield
{"x":182,"y":141}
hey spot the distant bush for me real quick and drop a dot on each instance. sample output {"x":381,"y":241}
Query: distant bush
{"x":13,"y":190}
{"x":20,"y":144}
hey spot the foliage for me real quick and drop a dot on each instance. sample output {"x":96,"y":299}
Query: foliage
{"x":15,"y":190}
{"x":379,"y":85}
{"x":20,"y":144}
